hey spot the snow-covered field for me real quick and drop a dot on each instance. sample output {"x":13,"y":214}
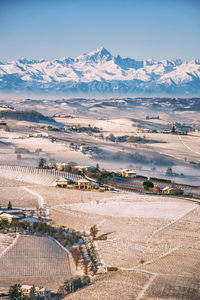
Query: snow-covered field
{"x":162,"y":148}
{"x":160,"y":210}
{"x":142,"y":232}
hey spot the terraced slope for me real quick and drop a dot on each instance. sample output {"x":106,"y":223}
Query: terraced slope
{"x":35,"y":260}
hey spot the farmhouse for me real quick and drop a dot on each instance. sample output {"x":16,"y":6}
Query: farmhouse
{"x":167,"y":190}
{"x":128,"y":173}
{"x":84,"y":184}
{"x":84,"y":168}
{"x":39,"y":134}
{"x":81,"y":184}
{"x":61,"y":166}
{"x":5,"y":216}
{"x":39,"y":291}
{"x":63,"y":182}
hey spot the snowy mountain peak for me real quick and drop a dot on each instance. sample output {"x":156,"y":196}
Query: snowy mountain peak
{"x":100,"y":72}
{"x":97,"y":55}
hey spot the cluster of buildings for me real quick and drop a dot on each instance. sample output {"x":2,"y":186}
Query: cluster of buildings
{"x":65,"y":167}
{"x":81,"y":184}
{"x":128,"y":173}
{"x":6,"y":107}
{"x":22,"y":216}
{"x":10,"y":214}
{"x":167,"y":190}
{"x":39,"y":135}
{"x":38,"y":291}
{"x":85,"y":149}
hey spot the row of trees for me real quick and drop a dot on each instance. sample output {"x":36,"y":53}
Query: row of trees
{"x":59,"y":233}
{"x":87,"y":257}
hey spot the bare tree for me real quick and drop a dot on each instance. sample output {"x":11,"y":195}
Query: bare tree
{"x":76,"y":254}
{"x":93,"y":231}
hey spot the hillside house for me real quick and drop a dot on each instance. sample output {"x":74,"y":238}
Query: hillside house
{"x":128,"y":173}
{"x":39,"y":291}
{"x":84,"y":168}
{"x":63,"y":182}
{"x":39,"y":134}
{"x":167,"y":190}
{"x":5,"y":216}
{"x":84,"y":184}
{"x":61,"y":166}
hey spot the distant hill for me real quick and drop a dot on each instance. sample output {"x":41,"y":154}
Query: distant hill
{"x":99,"y":72}
{"x":24,"y":115}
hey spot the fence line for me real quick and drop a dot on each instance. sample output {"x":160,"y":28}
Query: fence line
{"x":28,"y":169}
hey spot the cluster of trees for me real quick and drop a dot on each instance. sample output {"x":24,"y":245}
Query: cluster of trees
{"x":129,"y":139}
{"x":88,"y":128}
{"x":93,"y":231}
{"x":101,"y":176}
{"x":15,"y":293}
{"x":42,"y":164}
{"x":3,"y":224}
{"x":26,"y":115}
{"x":73,"y":284}
{"x":88,"y":258}
{"x":76,"y":254}
{"x":148,"y":185}
{"x":59,"y":233}
{"x":93,"y":257}
{"x":104,"y":177}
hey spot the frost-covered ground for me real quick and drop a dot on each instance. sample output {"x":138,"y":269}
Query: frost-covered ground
{"x":160,"y":210}
{"x":147,"y":236}
{"x":163,"y":150}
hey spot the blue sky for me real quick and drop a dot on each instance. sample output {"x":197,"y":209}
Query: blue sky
{"x":139,"y":29}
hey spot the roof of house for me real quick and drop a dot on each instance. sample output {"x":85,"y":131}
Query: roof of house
{"x":63,"y":179}
{"x":84,"y":167}
{"x":32,"y":220}
{"x":128,"y":171}
{"x":6,"y":215}
{"x":83,"y":181}
{"x":164,"y":188}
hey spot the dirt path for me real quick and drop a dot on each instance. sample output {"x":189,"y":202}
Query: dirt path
{"x":10,"y":246}
{"x":146,"y":286}
{"x":170,"y":224}
{"x":38,"y":196}
{"x":196,"y":152}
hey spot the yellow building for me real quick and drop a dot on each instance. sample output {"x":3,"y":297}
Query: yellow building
{"x":63,"y":182}
{"x":5,"y":216}
{"x":84,"y":168}
{"x":167,"y":190}
{"x":84,"y":184}
{"x":81,"y":184}
{"x":128,"y":173}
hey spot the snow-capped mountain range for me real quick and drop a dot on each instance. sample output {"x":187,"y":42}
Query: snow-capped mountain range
{"x":99,"y":72}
